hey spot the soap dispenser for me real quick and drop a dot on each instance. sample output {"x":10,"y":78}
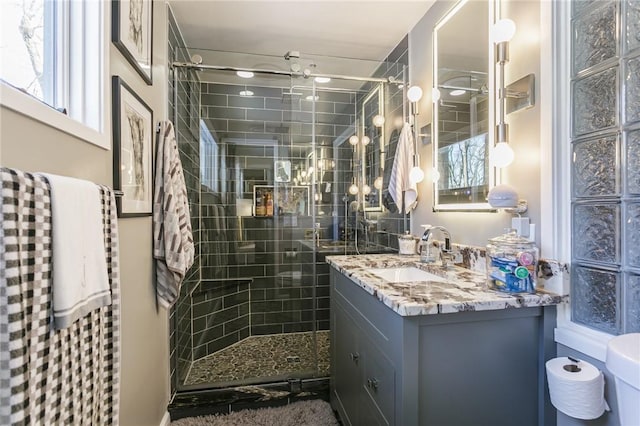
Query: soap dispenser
{"x":429,"y":250}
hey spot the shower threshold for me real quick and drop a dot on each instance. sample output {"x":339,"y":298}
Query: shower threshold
{"x":262,"y":358}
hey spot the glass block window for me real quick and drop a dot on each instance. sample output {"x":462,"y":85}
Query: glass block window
{"x":605,"y":169}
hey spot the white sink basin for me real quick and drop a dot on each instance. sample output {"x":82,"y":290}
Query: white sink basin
{"x":406,"y":274}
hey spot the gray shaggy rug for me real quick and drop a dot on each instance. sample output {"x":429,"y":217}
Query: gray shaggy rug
{"x":302,"y":413}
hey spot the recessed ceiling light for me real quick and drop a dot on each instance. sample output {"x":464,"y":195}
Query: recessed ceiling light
{"x":312,"y":98}
{"x":244,"y":74}
{"x":246,"y":93}
{"x":322,"y":79}
{"x":457,"y":92}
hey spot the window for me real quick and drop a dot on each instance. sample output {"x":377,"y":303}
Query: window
{"x":54,"y":51}
{"x":605,"y":165}
{"x":208,"y":159}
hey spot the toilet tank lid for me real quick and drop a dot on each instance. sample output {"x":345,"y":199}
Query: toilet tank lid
{"x":623,"y":358}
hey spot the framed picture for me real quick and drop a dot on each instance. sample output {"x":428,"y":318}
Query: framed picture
{"x":132,"y":151}
{"x":131,"y":32}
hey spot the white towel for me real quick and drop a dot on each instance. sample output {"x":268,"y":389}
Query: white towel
{"x":173,"y":246}
{"x":399,"y":181}
{"x":80,"y":278}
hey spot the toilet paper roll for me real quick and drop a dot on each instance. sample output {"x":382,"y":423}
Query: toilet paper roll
{"x":576,"y":388}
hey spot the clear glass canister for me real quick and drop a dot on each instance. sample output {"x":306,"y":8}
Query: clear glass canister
{"x":511,"y":263}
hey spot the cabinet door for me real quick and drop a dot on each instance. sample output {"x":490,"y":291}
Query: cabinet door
{"x":379,"y":380}
{"x":369,"y":414}
{"x":346,"y":362}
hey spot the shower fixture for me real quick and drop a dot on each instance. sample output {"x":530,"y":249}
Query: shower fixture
{"x":196,"y":59}
{"x":292,"y":54}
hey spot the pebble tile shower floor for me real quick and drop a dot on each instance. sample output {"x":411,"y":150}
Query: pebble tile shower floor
{"x":266,"y":356}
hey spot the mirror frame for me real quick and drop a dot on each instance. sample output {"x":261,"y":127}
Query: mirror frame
{"x":480,"y":207}
{"x":379,"y":92}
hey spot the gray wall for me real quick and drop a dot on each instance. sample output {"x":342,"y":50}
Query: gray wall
{"x":32,"y":146}
{"x":526,"y":133}
{"x":524,"y":173}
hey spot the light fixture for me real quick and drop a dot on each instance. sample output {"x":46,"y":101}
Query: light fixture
{"x":457,"y":92}
{"x":244,"y":74}
{"x":414,"y":93}
{"x":416,"y":175}
{"x":502,"y":154}
{"x":378,"y":120}
{"x":366,"y":189}
{"x":503,"y":30}
{"x":366,"y":140}
{"x":312,"y":98}
{"x":322,"y":80}
{"x":377,"y":184}
{"x":353,"y":140}
{"x":435,"y":175}
{"x":246,"y":93}
{"x":435,"y":94}
{"x":353,"y":189}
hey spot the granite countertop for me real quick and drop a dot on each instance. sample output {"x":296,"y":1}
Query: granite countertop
{"x":464,"y":289}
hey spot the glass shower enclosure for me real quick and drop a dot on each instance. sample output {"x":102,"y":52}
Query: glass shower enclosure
{"x":271,"y":166}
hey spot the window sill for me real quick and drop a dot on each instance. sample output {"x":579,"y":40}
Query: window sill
{"x":582,"y":339}
{"x":28,"y":106}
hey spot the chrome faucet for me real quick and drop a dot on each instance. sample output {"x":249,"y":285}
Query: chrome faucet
{"x":426,"y":246}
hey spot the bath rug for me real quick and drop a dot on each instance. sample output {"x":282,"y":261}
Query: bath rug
{"x":302,"y":413}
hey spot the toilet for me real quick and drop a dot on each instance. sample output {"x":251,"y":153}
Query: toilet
{"x":623,"y":361}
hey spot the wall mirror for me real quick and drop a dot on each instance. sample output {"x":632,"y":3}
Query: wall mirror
{"x":372,"y":155}
{"x":463,"y":132}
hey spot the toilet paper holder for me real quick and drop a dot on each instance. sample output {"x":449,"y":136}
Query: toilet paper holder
{"x":572,"y":368}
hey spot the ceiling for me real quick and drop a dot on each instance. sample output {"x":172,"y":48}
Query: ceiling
{"x":352,"y":29}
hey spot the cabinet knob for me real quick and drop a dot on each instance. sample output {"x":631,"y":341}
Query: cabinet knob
{"x":372,"y":384}
{"x":355,"y":356}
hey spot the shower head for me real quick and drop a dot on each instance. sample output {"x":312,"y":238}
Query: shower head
{"x":292,"y":54}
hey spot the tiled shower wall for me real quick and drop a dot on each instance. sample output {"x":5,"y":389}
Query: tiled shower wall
{"x":256,"y":275}
{"x":251,"y":133}
{"x":183,"y":112}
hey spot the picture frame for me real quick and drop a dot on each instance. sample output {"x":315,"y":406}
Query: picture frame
{"x":133,"y":138}
{"x":132,"y":33}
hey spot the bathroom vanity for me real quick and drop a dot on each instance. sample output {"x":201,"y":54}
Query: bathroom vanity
{"x":436,"y":347}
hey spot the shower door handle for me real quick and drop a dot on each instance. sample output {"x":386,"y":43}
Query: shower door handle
{"x":355,"y":356}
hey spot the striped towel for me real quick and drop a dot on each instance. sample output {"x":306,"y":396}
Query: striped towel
{"x":399,"y":181}
{"x":47,"y":377}
{"x":173,"y":246}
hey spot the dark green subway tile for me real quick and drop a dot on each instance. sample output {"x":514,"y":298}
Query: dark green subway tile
{"x":264,"y":115}
{"x":246,"y":101}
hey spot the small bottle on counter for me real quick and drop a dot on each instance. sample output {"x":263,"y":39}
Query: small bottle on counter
{"x":260,"y":206}
{"x":269,"y":204}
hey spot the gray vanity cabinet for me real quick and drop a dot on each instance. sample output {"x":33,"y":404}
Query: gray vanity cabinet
{"x":363,"y":374}
{"x":466,"y":368}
